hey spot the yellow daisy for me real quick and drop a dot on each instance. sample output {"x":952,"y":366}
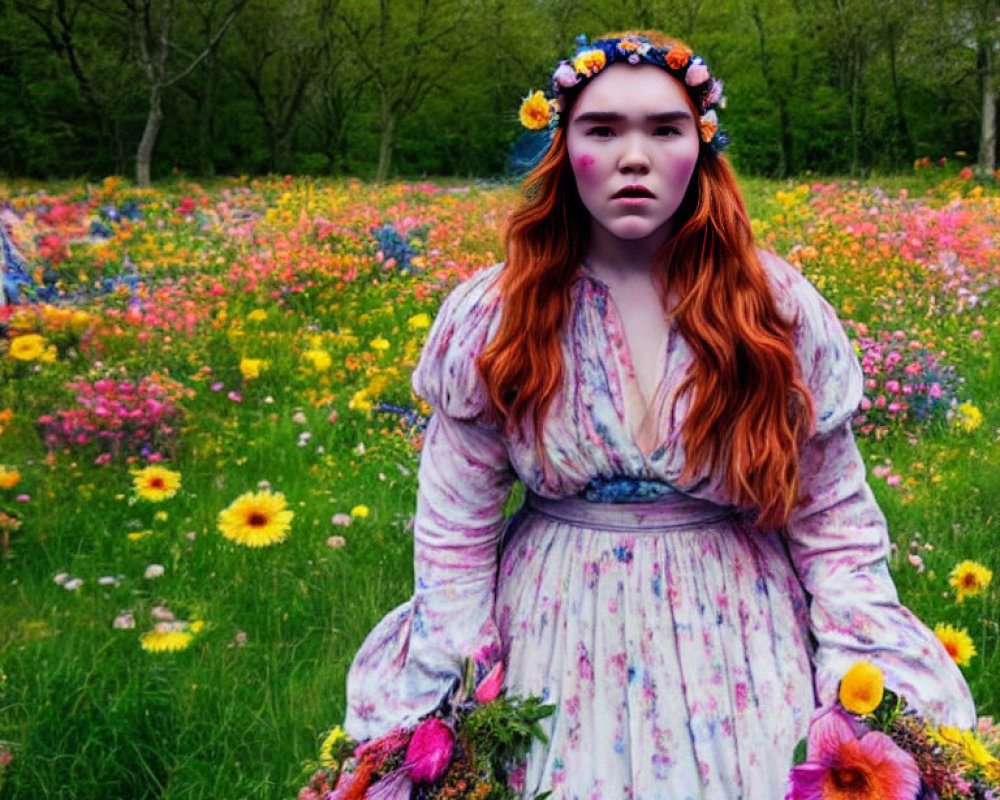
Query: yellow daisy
{"x":968,"y":417}
{"x":165,"y":641}
{"x":969,"y":578}
{"x":957,"y":642}
{"x":156,"y":483}
{"x":256,"y":519}
{"x":861,"y":688}
{"x":419,"y":321}
{"x":27,"y":347}
{"x":359,"y":511}
{"x":379,"y":343}
{"x":318,"y":359}
{"x":252,"y":367}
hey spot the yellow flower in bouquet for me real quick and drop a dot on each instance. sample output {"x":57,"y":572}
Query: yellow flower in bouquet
{"x":972,"y":749}
{"x":969,"y":578}
{"x":861,"y":688}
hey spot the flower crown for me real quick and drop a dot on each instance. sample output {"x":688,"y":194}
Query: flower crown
{"x":539,"y":111}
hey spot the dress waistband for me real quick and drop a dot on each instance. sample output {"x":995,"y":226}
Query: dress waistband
{"x":674,"y":511}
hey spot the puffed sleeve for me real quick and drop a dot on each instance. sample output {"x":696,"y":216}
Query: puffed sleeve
{"x":412,"y":659}
{"x":839,"y":542}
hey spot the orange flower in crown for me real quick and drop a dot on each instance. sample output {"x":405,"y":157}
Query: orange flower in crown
{"x":679,"y":56}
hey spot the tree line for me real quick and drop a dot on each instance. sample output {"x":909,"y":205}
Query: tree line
{"x":385,"y":88}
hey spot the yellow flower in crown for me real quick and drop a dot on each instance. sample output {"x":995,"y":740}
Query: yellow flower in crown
{"x":536,"y":112}
{"x":861,"y":688}
{"x":590,"y":62}
{"x":969,"y":578}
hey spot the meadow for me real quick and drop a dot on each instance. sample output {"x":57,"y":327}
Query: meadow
{"x":188,"y":356}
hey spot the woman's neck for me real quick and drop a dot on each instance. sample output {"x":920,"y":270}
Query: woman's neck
{"x":610,"y":257}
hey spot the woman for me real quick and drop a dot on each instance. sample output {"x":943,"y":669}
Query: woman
{"x":699,"y":558}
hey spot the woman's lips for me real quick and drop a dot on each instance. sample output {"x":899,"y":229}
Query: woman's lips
{"x":633,"y":191}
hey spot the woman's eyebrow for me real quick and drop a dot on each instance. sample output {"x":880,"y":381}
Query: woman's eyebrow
{"x":614,"y":116}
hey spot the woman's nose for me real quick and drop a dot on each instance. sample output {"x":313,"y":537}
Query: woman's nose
{"x":634,"y":156}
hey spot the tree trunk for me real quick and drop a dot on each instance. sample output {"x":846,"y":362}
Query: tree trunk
{"x":385,"y":143}
{"x":153,"y":122}
{"x":902,"y":129}
{"x":284,"y":154}
{"x":988,"y":129}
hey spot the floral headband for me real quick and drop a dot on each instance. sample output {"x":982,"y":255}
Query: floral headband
{"x":539,"y":112}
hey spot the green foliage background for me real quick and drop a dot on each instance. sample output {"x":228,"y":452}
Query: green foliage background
{"x":312,"y":86}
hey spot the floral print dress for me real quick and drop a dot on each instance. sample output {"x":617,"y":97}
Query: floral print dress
{"x":684,"y":651}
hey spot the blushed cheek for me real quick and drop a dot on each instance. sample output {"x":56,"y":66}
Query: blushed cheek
{"x":680,"y":169}
{"x":583,"y":167}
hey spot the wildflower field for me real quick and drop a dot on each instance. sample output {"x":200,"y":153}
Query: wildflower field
{"x":208,"y":447}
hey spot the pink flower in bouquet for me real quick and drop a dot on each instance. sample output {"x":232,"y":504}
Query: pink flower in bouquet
{"x":489,"y":687}
{"x":429,"y":752}
{"x":843,"y":766}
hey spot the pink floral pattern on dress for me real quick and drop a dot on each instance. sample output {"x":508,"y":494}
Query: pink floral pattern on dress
{"x":684,"y":651}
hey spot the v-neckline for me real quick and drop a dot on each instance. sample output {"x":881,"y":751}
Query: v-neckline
{"x":629,"y":379}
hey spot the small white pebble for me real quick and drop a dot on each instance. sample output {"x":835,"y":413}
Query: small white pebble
{"x":61,"y":578}
{"x":154,"y":571}
{"x":73,"y":584}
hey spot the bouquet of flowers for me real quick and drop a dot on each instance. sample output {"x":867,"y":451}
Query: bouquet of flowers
{"x":870,"y":746}
{"x":471,"y":747}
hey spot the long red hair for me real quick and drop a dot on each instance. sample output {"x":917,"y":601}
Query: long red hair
{"x":750,"y":408}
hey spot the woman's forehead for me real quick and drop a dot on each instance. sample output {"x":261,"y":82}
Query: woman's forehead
{"x":632,"y":91}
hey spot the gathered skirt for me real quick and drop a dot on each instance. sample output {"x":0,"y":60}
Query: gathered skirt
{"x":672,"y":639}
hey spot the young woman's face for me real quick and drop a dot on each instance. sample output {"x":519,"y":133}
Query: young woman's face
{"x":633,"y":144}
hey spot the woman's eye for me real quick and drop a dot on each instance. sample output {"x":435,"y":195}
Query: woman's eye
{"x":668,"y":130}
{"x":600,"y":131}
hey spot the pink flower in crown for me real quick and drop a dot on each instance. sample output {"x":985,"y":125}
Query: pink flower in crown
{"x":714,"y":95}
{"x":429,"y":751}
{"x":565,"y":77}
{"x":696,"y":75}
{"x":842,"y":764}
